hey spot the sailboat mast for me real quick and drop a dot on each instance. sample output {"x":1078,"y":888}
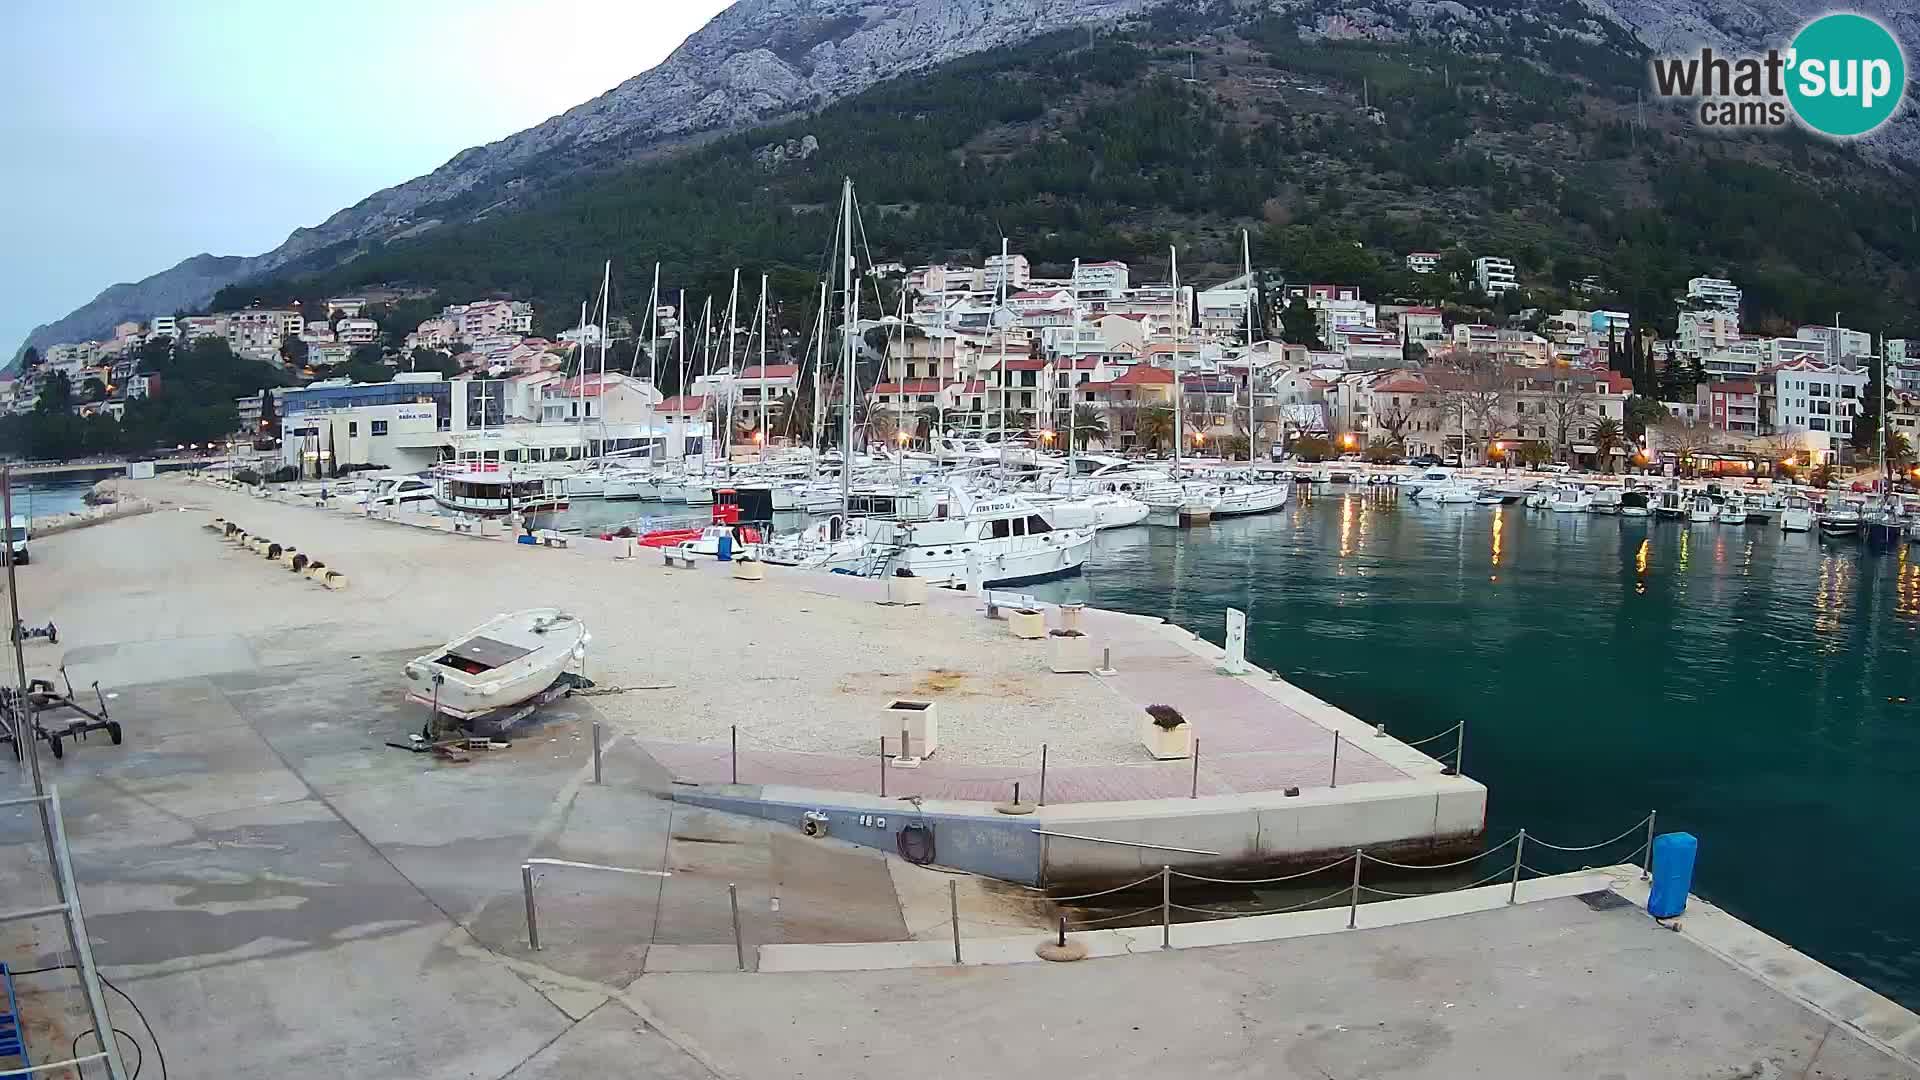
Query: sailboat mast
{"x":1000,"y":320}
{"x":580,"y":386}
{"x":763,"y":369}
{"x":819,"y":377}
{"x":939,"y":370}
{"x":1073,"y":380}
{"x":726,"y":397}
{"x":680,"y":388}
{"x":846,"y":347}
{"x":1179,"y":392}
{"x":653,"y":333}
{"x":1246,"y":267}
{"x":606,"y":331}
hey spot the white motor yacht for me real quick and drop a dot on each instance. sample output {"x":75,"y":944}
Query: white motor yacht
{"x":1671,"y":504}
{"x":1796,"y":514}
{"x":389,"y":491}
{"x":1604,"y":501}
{"x":1701,"y":510}
{"x":1732,"y":511}
{"x":1635,"y":504}
{"x":1567,"y":499}
{"x":1841,"y":517}
{"x":1103,"y":511}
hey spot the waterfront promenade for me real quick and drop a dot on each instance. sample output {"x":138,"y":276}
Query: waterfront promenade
{"x":255,"y":838}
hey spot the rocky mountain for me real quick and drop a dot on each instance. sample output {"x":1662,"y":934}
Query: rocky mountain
{"x":763,"y":59}
{"x":755,"y":60}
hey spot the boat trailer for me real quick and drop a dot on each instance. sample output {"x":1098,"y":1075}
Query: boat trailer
{"x":23,"y":632}
{"x":42,"y":698}
{"x":495,"y":721}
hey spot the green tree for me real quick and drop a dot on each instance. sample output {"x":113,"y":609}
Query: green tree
{"x":1866,"y":416}
{"x":30,"y":359}
{"x":293,"y":351}
{"x":1153,"y":427}
{"x":1535,"y":454}
{"x":56,"y":393}
{"x":1298,"y":325}
{"x":93,"y":390}
{"x":1089,"y":425}
{"x":1643,"y":413}
{"x":269,"y":416}
{"x":423,"y":359}
{"x":1605,"y":436}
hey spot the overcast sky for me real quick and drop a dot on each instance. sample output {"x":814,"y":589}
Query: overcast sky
{"x":140,"y":132}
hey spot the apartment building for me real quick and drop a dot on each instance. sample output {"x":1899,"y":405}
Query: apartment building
{"x":1494,"y":275}
{"x":1101,"y":280}
{"x":1732,"y":407}
{"x":1823,"y":399}
{"x":1715,"y":292}
{"x":1423,"y":262}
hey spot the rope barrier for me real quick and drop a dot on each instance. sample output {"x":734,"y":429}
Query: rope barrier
{"x":1269,"y":911}
{"x":1636,"y":827}
{"x":1116,"y":918}
{"x":1264,"y":881}
{"x":1446,"y":865}
{"x":1449,"y":731}
{"x":1106,"y":892}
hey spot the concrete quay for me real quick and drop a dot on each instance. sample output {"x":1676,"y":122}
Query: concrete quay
{"x":287,"y":897}
{"x":779,"y":685}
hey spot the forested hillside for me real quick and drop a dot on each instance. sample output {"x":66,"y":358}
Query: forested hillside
{"x":1339,"y":156}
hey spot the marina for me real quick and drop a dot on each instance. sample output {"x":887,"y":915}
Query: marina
{"x":264,"y":726}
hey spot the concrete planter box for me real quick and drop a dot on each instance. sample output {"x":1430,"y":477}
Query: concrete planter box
{"x":906,"y":590}
{"x":921,"y":722}
{"x":1070,"y":652}
{"x":1031,"y":625}
{"x":749,"y":570}
{"x":1163,"y":743}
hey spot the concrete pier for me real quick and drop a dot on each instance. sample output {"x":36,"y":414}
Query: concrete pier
{"x":286,"y":896}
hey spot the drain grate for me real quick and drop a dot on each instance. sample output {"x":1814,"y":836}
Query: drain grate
{"x":1605,"y":900}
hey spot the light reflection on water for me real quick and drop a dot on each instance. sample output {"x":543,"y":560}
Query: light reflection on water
{"x":1755,"y":687}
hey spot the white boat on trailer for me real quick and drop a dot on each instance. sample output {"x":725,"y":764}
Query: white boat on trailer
{"x":498,"y":664}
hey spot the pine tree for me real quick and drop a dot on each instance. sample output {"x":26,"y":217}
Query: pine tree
{"x":1866,"y":415}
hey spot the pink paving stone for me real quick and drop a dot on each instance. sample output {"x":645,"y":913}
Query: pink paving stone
{"x":1249,"y":741}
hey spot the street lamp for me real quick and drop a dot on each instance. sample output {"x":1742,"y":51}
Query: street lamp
{"x":903,"y":437}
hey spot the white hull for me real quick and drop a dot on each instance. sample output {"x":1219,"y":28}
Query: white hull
{"x":1097,"y":512}
{"x":1056,"y":554}
{"x":1250,"y":499}
{"x":498,"y":664}
{"x":1796,"y":521}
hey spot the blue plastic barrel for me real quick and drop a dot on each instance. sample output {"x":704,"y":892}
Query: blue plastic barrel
{"x":726,"y":547}
{"x":1673,"y":855}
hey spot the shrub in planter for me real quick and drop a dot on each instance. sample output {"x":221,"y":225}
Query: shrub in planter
{"x":1165,"y":717}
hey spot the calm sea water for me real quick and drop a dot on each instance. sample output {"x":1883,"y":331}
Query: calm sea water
{"x":1758,"y":689}
{"x":46,"y":500}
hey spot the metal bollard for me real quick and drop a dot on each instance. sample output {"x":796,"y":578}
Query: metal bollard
{"x":1353,"y":894}
{"x":533,"y":921}
{"x":739,"y":947}
{"x":1333,"y":780}
{"x":735,"y":755}
{"x":1460,"y":751}
{"x":883,"y":766}
{"x":1016,"y":793}
{"x":1043,"y":776}
{"x":596,"y":751}
{"x":1166,"y":907}
{"x":1519,"y":848}
{"x":1646,"y":869}
{"x":953,"y":906}
{"x":1195,"y":793}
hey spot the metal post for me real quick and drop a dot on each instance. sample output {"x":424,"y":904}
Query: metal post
{"x":533,"y":921}
{"x":1166,"y":907}
{"x":1016,"y":793}
{"x":953,"y":906}
{"x":1519,"y":848}
{"x":1646,"y":868}
{"x":77,"y":939}
{"x":739,"y":948}
{"x":596,"y":750}
{"x":1195,"y":793}
{"x":26,"y":735}
{"x":905,"y":752}
{"x":1043,"y":774}
{"x":1460,"y":751}
{"x":1353,"y":893}
{"x":1333,"y":780}
{"x":736,"y":753}
{"x":883,"y":766}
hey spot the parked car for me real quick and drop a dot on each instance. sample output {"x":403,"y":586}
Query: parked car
{"x":1558,"y":468}
{"x":1426,"y":459}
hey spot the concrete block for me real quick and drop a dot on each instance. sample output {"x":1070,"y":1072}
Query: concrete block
{"x":1026,"y":623}
{"x":906,"y":590}
{"x":749,"y":570}
{"x":333,"y":579}
{"x":921,"y":722}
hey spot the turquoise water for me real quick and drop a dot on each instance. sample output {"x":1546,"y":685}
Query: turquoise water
{"x":47,"y":500}
{"x":1758,"y":689}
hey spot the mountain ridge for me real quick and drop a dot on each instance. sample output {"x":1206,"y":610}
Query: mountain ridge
{"x":761,"y":60}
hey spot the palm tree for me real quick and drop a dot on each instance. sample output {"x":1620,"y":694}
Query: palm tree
{"x":1605,"y":436}
{"x":927,"y":422}
{"x":1155,"y":426}
{"x":1089,"y":423}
